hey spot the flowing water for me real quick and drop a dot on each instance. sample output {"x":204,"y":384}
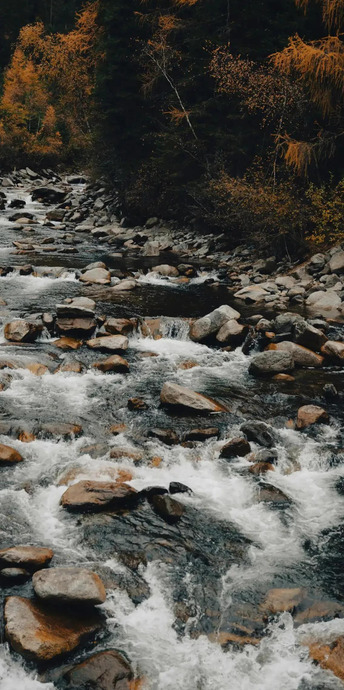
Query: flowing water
{"x":171,"y":588}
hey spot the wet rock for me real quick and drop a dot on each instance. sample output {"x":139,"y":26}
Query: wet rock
{"x":37,"y":369}
{"x":9,"y":456}
{"x":56,"y":214}
{"x":76,"y":586}
{"x":319,"y":610}
{"x":237,"y":447}
{"x":82,"y":327}
{"x":125,"y":286}
{"x":107,"y":670}
{"x":22,"y":217}
{"x":26,"y":436}
{"x":211,"y":323}
{"x":109,"y":343}
{"x":13,"y":576}
{"x":188,"y":364}
{"x":115,"y":364}
{"x":301,"y":355}
{"x":117,"y":429}
{"x":65,"y":430}
{"x":177,"y":396}
{"x":334,"y":350}
{"x":260,"y":468}
{"x":117,"y":453}
{"x":28,"y":557}
{"x":42,"y":635}
{"x":269,"y":455}
{"x":91,"y":496}
{"x":307,"y":335}
{"x":49,"y":195}
{"x":311,"y":414}
{"x":21,"y":331}
{"x":166,"y":270}
{"x":202,"y":434}
{"x":179,"y":488}
{"x":232,"y":333}
{"x":78,"y":307}
{"x":167,"y":436}
{"x":252,"y":293}
{"x":278,"y":600}
{"x":271,"y":362}
{"x":73,"y":367}
{"x":97,"y":276}
{"x":330,"y":391}
{"x":329,"y":656}
{"x":167,"y":508}
{"x":17,"y":203}
{"x":286,"y":378}
{"x":225,"y":639}
{"x":119,"y":326}
{"x":323,"y":301}
{"x":137,"y":404}
{"x":259,"y":432}
{"x":67,"y":343}
{"x":270,"y":494}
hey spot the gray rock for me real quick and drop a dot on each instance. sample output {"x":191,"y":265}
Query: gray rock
{"x":336,"y":262}
{"x":177,"y":396}
{"x":109,"y":343}
{"x":21,"y":331}
{"x":76,"y":307}
{"x":324,"y":301}
{"x":69,"y":586}
{"x":99,"y":276}
{"x":211,"y":323}
{"x":259,"y":432}
{"x":271,"y":362}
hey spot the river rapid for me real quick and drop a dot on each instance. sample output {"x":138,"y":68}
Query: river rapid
{"x":185,"y":601}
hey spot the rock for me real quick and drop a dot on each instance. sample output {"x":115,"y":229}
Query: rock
{"x":137,"y":404}
{"x":178,"y":488}
{"x":151,"y":222}
{"x":9,"y":456}
{"x":285,"y":282}
{"x":118,"y":453}
{"x":260,"y":468}
{"x":69,"y":586}
{"x":330,"y":657}
{"x":319,"y":610}
{"x":237,"y":447}
{"x":278,"y":600}
{"x":42,"y":635}
{"x":336,"y":262}
{"x":107,"y":670}
{"x":117,"y":429}
{"x":177,"y":396}
{"x":271,"y":362}
{"x":232,"y":333}
{"x":28,"y":557}
{"x":115,"y":364}
{"x":17,"y":203}
{"x":301,"y":355}
{"x":51,"y":195}
{"x":286,"y":323}
{"x":61,"y":429}
{"x":78,"y":307}
{"x":286,"y":378}
{"x":166,"y":270}
{"x":97,"y":276}
{"x":168,"y":508}
{"x":167,"y":436}
{"x":109,"y":343}
{"x":323,"y":301}
{"x":258,"y":432}
{"x":309,"y":336}
{"x":334,"y":350}
{"x":13,"y":576}
{"x":66,"y":343}
{"x":22,"y":217}
{"x":270,"y":494}
{"x":311,"y":414}
{"x":251,"y":293}
{"x":202,"y":434}
{"x":211,"y":323}
{"x":125,"y":286}
{"x":91,"y":496}
{"x":37,"y":369}
{"x":119,"y":326}
{"x":74,"y":367}
{"x":76,"y":326}
{"x":21,"y":331}
{"x":57,"y":214}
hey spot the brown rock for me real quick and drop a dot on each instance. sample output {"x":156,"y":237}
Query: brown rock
{"x":137,"y":404}
{"x":167,"y":436}
{"x":330,"y":657}
{"x":117,"y":429}
{"x":119,"y":326}
{"x":225,"y":638}
{"x":76,"y":586}
{"x":278,"y":600}
{"x":168,"y":508}
{"x":74,"y":367}
{"x":286,"y":378}
{"x":232,"y":333}
{"x":109,"y":343}
{"x":334,"y":351}
{"x":320,"y":610}
{"x":28,"y":557}
{"x":115,"y":363}
{"x":151,"y":328}
{"x":43,"y":635}
{"x":66,"y":343}
{"x":9,"y":456}
{"x":188,"y":365}
{"x":76,"y":326}
{"x":91,"y":496}
{"x":301,"y":355}
{"x":177,"y":396}
{"x":22,"y":331}
{"x":117,"y":453}
{"x":202,"y":434}
{"x":26,"y":437}
{"x":65,"y":430}
{"x":37,"y":369}
{"x":237,"y":447}
{"x":261,"y":468}
{"x":311,"y":414}
{"x":103,"y":671}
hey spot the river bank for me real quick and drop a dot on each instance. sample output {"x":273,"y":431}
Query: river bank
{"x":193,"y":464}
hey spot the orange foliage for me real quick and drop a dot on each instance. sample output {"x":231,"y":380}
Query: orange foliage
{"x":48,"y":88}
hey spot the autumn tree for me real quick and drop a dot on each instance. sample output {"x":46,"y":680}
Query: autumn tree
{"x":318,"y":66}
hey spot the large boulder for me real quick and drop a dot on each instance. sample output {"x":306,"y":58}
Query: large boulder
{"x":107,"y":670}
{"x":174,"y":395}
{"x":78,"y":307}
{"x":301,"y":355}
{"x":211,"y":323}
{"x":82,"y":327}
{"x":49,"y":195}
{"x":109,"y":343}
{"x":21,"y":331}
{"x":9,"y":456}
{"x":308,"y":336}
{"x":232,"y":333}
{"x":308,"y":415}
{"x":97,"y":276}
{"x":92,"y":496}
{"x":69,"y":586}
{"x":28,"y":557}
{"x":271,"y":362}
{"x":324,"y":301}
{"x":43,"y":635}
{"x":336,"y":262}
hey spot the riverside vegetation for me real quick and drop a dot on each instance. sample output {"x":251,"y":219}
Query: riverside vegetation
{"x":171,"y":362}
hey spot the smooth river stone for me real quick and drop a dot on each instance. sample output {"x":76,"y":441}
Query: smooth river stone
{"x":92,"y":496}
{"x":110,"y":343}
{"x":9,"y":456}
{"x":69,"y":586}
{"x":178,"y":396}
{"x":28,"y":557}
{"x":211,"y":323}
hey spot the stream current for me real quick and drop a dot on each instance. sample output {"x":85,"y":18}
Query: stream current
{"x":171,"y":589}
